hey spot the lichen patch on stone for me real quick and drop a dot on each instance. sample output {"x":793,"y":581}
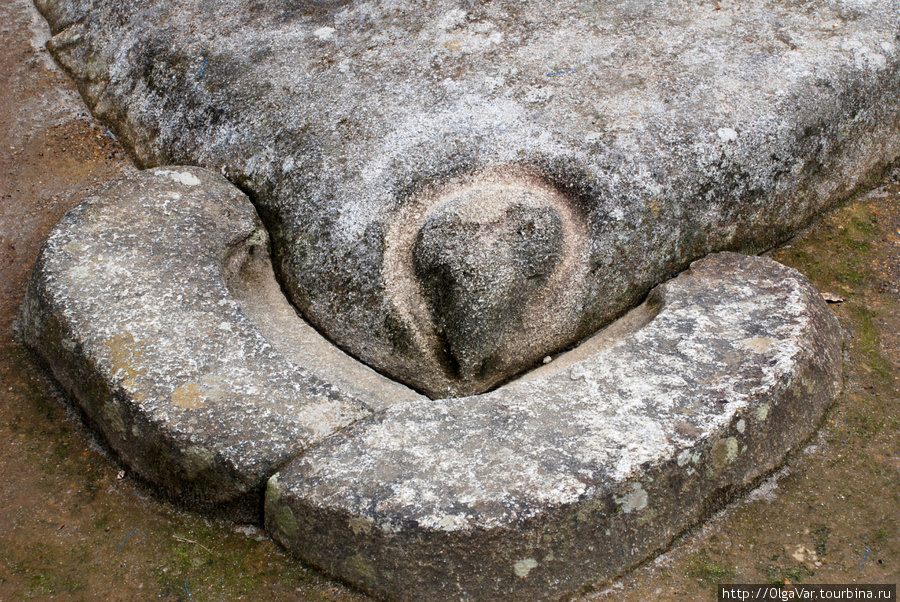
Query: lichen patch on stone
{"x":522,"y":567}
{"x":633,"y":501}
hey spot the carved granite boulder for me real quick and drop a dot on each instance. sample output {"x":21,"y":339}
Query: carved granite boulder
{"x":448,"y":193}
{"x":455,"y":190}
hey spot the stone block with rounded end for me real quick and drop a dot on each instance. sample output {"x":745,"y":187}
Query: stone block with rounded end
{"x":139,"y":304}
{"x":586,"y":466}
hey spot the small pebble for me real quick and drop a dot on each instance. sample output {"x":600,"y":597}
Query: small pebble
{"x":548,"y":359}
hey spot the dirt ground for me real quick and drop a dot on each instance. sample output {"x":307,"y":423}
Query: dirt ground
{"x":74,"y":527}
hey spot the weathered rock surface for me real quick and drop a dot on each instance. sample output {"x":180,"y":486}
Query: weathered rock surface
{"x":645,"y":134}
{"x":155,"y":305}
{"x":585,"y":467}
{"x":138,"y":304}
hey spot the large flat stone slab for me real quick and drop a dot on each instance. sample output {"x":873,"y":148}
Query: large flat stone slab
{"x":583,"y":468}
{"x":139,"y":305}
{"x":601,"y":146}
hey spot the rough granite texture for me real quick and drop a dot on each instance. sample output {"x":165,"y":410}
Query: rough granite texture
{"x":130,"y":306}
{"x":646,"y":134}
{"x":155,"y":304}
{"x":588,"y":465}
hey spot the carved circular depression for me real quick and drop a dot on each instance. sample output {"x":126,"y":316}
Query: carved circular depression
{"x":485,"y":274}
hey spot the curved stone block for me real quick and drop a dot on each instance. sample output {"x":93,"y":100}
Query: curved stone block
{"x":584,"y":467}
{"x":139,"y":303}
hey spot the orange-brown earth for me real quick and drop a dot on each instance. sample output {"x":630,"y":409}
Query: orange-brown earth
{"x":75,"y":527}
